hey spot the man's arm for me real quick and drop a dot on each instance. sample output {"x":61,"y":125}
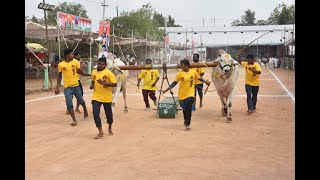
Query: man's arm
{"x":57,"y":91}
{"x":239,"y":59}
{"x":155,"y":81}
{"x":138,"y":84}
{"x":92,"y":85}
{"x":79,"y":71}
{"x":105,"y":84}
{"x":172,"y":85}
{"x":254,"y":70}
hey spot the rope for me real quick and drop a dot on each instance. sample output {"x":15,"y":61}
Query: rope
{"x":78,"y":43}
{"x":61,"y":33}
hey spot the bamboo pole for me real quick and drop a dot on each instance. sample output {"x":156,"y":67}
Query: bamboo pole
{"x":169,"y":66}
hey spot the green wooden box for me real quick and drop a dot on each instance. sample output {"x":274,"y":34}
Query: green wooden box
{"x":167,"y":108}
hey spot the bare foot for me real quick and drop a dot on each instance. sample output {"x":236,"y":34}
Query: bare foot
{"x":99,"y":136}
{"x":249,"y":112}
{"x":85,"y":114}
{"x":74,"y":123}
{"x":201,"y":105}
{"x":77,"y":110}
{"x":67,"y":112}
{"x":110,"y":131}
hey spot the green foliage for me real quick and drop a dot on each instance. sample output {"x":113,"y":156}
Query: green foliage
{"x":282,"y":14}
{"x":262,"y":22}
{"x":248,"y":19}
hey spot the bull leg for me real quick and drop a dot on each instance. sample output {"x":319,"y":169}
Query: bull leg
{"x":223,"y":105}
{"x":124,"y":94}
{"x":116,"y":94}
{"x":229,"y":102}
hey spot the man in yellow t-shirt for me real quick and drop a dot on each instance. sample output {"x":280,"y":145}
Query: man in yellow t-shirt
{"x":101,"y":82}
{"x":198,"y":84}
{"x":186,"y":77}
{"x":70,"y":69}
{"x":77,"y":57}
{"x":150,"y":78}
{"x":253,"y":71}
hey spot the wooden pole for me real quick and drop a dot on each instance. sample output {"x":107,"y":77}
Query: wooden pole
{"x":169,"y":66}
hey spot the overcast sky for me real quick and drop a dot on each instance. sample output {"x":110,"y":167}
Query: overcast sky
{"x":188,"y":13}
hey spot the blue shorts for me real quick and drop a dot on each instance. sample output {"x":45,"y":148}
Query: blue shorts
{"x":69,"y":92}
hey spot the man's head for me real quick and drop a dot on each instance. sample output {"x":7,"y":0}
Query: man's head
{"x":184,"y":64}
{"x":104,"y":48}
{"x":68,"y":54}
{"x":195,"y":58}
{"x":250,"y":59}
{"x":77,"y":55}
{"x":148,"y":61}
{"x":102,"y":62}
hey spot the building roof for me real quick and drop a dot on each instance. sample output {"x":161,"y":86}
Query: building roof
{"x":230,"y":36}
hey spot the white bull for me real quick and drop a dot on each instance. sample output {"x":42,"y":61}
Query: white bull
{"x":121,"y":75}
{"x":224,"y":78}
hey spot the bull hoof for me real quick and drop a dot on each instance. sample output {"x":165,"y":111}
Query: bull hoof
{"x":229,"y":119}
{"x":126,"y":109}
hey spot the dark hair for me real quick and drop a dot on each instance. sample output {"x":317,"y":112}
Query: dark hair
{"x":104,"y":46}
{"x":76,"y":53}
{"x":185,"y":62}
{"x":66,"y":52}
{"x":195,"y":57}
{"x":149,"y":60}
{"x":250,"y":56}
{"x":102,"y":59}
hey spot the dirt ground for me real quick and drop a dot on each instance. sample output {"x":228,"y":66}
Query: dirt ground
{"x":144,"y":146}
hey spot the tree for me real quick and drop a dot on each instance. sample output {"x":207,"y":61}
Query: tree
{"x":282,"y":14}
{"x":236,"y":22}
{"x":171,"y":22}
{"x":248,"y":19}
{"x":262,"y":22}
{"x":70,"y":8}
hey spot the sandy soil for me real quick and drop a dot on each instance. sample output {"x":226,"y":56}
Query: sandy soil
{"x":144,"y":146}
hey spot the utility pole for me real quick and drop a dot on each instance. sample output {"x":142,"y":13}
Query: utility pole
{"x":103,"y":5}
{"x":46,"y":7}
{"x":45,"y":21}
{"x":186,"y":43}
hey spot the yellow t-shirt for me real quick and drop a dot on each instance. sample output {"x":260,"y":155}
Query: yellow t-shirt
{"x":251,"y":79}
{"x":149,"y":76}
{"x":79,"y":65}
{"x":69,"y":72}
{"x":186,"y":85}
{"x":101,"y":93}
{"x":199,"y":71}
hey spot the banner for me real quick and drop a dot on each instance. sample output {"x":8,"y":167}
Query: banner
{"x":69,"y":21}
{"x":104,"y":28}
{"x":104,"y":32}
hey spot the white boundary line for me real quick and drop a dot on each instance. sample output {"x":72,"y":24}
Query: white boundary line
{"x":289,"y":93}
